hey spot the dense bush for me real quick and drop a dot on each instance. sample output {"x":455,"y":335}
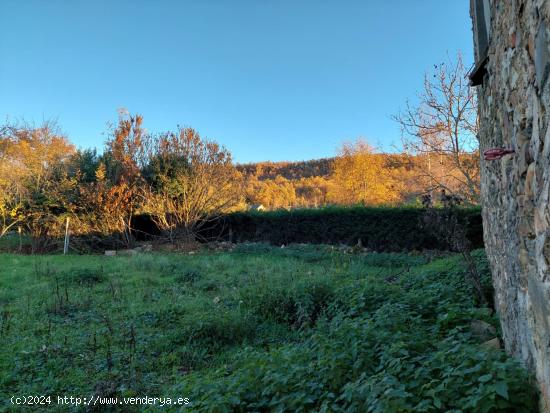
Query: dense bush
{"x":380,"y":229}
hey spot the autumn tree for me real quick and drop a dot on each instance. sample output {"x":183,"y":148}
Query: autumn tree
{"x":120,"y":185}
{"x":192,"y":180}
{"x":404,"y":169}
{"x":361,"y":176}
{"x":312,"y":191}
{"x":84,"y":164}
{"x":10,"y":207}
{"x":11,"y":199}
{"x":36,"y":187}
{"x":100,"y":207}
{"x":275,"y":193}
{"x":443,"y":127}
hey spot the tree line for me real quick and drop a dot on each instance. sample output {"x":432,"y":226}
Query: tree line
{"x":184,"y":181}
{"x":179,"y":178}
{"x":358,"y":175}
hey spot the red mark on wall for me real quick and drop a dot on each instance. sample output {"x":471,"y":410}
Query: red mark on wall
{"x":493,"y":154}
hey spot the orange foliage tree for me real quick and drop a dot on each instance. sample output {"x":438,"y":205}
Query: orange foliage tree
{"x":11,"y":197}
{"x":361,"y":176}
{"x":125,"y":189}
{"x":313,"y":191}
{"x":37,"y":191}
{"x":272,"y":193}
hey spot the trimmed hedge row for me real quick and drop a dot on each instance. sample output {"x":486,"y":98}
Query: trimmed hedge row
{"x":380,"y":229}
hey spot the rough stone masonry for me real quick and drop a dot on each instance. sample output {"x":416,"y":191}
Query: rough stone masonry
{"x":512,"y":47}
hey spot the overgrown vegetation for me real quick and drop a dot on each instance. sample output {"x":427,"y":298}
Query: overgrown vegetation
{"x":302,"y":328}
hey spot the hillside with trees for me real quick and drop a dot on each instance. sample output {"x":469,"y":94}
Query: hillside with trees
{"x":358,"y":175}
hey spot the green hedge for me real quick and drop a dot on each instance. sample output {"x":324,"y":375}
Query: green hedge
{"x":380,"y":229}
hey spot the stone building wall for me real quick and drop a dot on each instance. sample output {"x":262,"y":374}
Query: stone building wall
{"x":514,"y":105}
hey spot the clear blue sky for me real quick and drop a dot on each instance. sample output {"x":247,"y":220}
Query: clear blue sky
{"x":270,"y":80}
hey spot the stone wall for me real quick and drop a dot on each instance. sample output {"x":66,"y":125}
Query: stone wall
{"x":514,"y":104}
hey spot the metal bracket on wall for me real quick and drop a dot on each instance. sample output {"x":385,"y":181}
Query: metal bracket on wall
{"x":478,"y":72}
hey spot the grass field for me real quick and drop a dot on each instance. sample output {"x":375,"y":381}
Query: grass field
{"x":305,"y":328}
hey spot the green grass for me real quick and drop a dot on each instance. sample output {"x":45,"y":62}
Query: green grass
{"x":304,"y":328}
{"x":12,"y":241}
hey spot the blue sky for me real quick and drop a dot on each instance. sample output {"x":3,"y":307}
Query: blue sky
{"x":270,"y":80}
